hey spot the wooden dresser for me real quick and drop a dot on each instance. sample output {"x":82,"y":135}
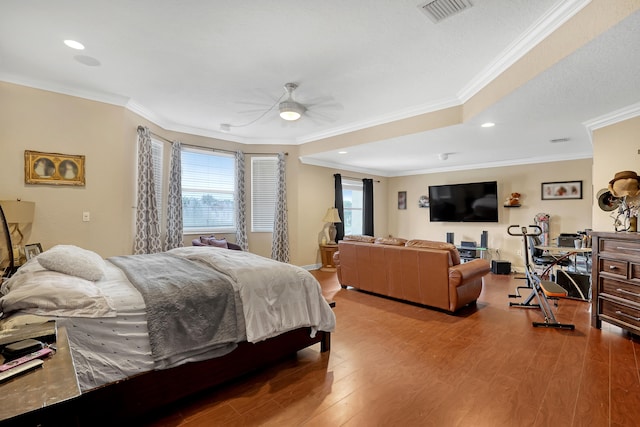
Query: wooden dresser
{"x":616,"y":280}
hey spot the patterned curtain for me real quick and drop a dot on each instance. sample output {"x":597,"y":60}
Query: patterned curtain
{"x":280,"y":245}
{"x":240,"y":197}
{"x":173,"y":238}
{"x":147,"y":239}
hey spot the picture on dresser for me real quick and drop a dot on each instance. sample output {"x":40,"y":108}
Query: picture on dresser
{"x":53,"y":168}
{"x":32,"y":250}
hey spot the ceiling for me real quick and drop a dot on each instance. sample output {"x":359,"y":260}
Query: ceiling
{"x":192,"y":65}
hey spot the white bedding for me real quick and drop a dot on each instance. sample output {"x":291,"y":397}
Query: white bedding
{"x":106,"y":349}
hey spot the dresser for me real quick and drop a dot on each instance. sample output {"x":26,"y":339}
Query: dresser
{"x":616,"y":280}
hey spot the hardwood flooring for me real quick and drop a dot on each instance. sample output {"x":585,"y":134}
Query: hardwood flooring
{"x":397,"y":364}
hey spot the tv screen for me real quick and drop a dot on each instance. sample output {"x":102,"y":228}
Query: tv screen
{"x":473,"y":202}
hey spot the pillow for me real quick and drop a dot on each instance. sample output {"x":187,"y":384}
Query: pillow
{"x":219,"y":243}
{"x":74,"y":261}
{"x":357,"y":238}
{"x":49,"y":293}
{"x":393,"y":241}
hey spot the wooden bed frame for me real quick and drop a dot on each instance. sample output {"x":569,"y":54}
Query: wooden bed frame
{"x":138,"y":395}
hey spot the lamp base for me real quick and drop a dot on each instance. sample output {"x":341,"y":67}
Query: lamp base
{"x":332,"y":234}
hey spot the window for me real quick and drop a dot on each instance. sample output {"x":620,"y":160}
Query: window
{"x":352,"y":199}
{"x":156,"y":159}
{"x":208,"y":184}
{"x":264,"y":176}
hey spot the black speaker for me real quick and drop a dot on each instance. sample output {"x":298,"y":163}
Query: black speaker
{"x":450,"y":238}
{"x":500,"y":267}
{"x":484,"y":239}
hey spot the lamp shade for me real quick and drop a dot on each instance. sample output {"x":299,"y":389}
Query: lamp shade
{"x":332,"y":216}
{"x":18,"y":212}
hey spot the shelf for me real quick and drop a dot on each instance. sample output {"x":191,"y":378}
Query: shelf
{"x":511,"y":206}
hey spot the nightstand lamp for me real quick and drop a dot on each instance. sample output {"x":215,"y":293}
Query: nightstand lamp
{"x":18,"y":214}
{"x":332,"y":217}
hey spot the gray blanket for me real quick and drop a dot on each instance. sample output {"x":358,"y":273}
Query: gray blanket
{"x":190,"y":307}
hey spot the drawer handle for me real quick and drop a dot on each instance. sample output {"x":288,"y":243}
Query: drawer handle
{"x":624,"y":291}
{"x":613,"y":267}
{"x":623,"y":248}
{"x":619,"y":313}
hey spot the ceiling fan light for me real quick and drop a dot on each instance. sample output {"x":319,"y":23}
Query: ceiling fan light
{"x":291,"y":110}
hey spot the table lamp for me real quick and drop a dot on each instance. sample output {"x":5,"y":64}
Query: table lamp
{"x":332,"y":217}
{"x":17,"y":213}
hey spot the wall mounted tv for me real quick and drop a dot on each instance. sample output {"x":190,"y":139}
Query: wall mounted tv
{"x":473,"y":202}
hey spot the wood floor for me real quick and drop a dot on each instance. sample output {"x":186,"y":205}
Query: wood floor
{"x":396,"y":364}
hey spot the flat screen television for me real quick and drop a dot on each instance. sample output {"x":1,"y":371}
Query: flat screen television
{"x":473,"y":202}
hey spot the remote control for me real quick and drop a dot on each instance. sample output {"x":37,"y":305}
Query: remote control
{"x":27,"y":366}
{"x":44,"y":352}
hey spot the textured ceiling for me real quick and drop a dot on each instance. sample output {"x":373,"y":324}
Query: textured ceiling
{"x":193,"y":65}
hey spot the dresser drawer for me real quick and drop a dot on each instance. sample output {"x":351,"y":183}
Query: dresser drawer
{"x":620,"y":312}
{"x":634,"y":272}
{"x":620,"y":247}
{"x":624,"y":290}
{"x":613,"y":267}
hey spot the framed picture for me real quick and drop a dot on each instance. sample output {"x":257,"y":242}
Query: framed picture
{"x":423,"y":202}
{"x":402,"y":200}
{"x":33,"y":250}
{"x":53,"y":168}
{"x":562,"y":190}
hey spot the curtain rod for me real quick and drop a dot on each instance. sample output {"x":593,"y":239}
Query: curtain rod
{"x":207,"y":148}
{"x":357,"y":179}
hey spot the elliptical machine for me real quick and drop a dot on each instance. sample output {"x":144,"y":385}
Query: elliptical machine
{"x":540,"y":289}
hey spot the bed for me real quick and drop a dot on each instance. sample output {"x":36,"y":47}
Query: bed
{"x":236,"y":312}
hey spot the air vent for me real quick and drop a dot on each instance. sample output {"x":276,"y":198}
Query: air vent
{"x":558,"y":140}
{"x":437,"y":10}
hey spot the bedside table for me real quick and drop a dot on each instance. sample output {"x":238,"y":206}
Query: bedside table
{"x":40,"y":397}
{"x":326,"y":253}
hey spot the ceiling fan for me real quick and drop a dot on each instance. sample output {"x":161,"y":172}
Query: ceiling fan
{"x":289,"y":109}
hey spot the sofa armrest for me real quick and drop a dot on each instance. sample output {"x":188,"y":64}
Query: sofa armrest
{"x":463,"y":273}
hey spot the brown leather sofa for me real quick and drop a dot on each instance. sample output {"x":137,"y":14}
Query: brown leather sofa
{"x":420,"y":271}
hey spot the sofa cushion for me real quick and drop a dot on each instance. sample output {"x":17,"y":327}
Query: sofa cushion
{"x":393,"y":241}
{"x":455,"y":256}
{"x":359,"y":238}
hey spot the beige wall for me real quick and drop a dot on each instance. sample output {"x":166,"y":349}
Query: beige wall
{"x":615,"y":148}
{"x":32,"y":119}
{"x":567,"y":216}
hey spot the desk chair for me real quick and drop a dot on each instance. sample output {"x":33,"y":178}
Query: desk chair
{"x":540,"y":259}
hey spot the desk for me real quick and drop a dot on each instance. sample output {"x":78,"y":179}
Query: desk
{"x":561,"y":251}
{"x":326,"y":252}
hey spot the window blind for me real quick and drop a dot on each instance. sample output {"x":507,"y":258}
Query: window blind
{"x":208,"y":184}
{"x":264,"y":175}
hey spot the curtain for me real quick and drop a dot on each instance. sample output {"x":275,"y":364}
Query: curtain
{"x":240,"y":199}
{"x":340,"y":206}
{"x":367,"y":211}
{"x":147,"y":239}
{"x":173,"y":238}
{"x":280,"y":245}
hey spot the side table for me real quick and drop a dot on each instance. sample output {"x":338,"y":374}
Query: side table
{"x":42,"y":396}
{"x":326,"y":253}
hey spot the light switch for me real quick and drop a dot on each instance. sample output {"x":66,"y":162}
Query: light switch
{"x":86,"y":216}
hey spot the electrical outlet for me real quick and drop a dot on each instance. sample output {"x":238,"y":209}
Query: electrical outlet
{"x":519,"y":252}
{"x":86,"y":216}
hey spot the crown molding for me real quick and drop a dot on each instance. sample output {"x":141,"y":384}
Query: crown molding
{"x":107,"y":98}
{"x":315,"y":162}
{"x":613,"y":117}
{"x":538,"y":31}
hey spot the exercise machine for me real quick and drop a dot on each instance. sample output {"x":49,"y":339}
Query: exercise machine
{"x":540,"y":289}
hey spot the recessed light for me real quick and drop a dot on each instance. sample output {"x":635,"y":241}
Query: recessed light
{"x":488,"y":125}
{"x":342,"y":152}
{"x":74,"y":44}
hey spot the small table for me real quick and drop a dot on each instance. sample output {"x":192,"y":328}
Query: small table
{"x":37,"y":396}
{"x":326,"y":253}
